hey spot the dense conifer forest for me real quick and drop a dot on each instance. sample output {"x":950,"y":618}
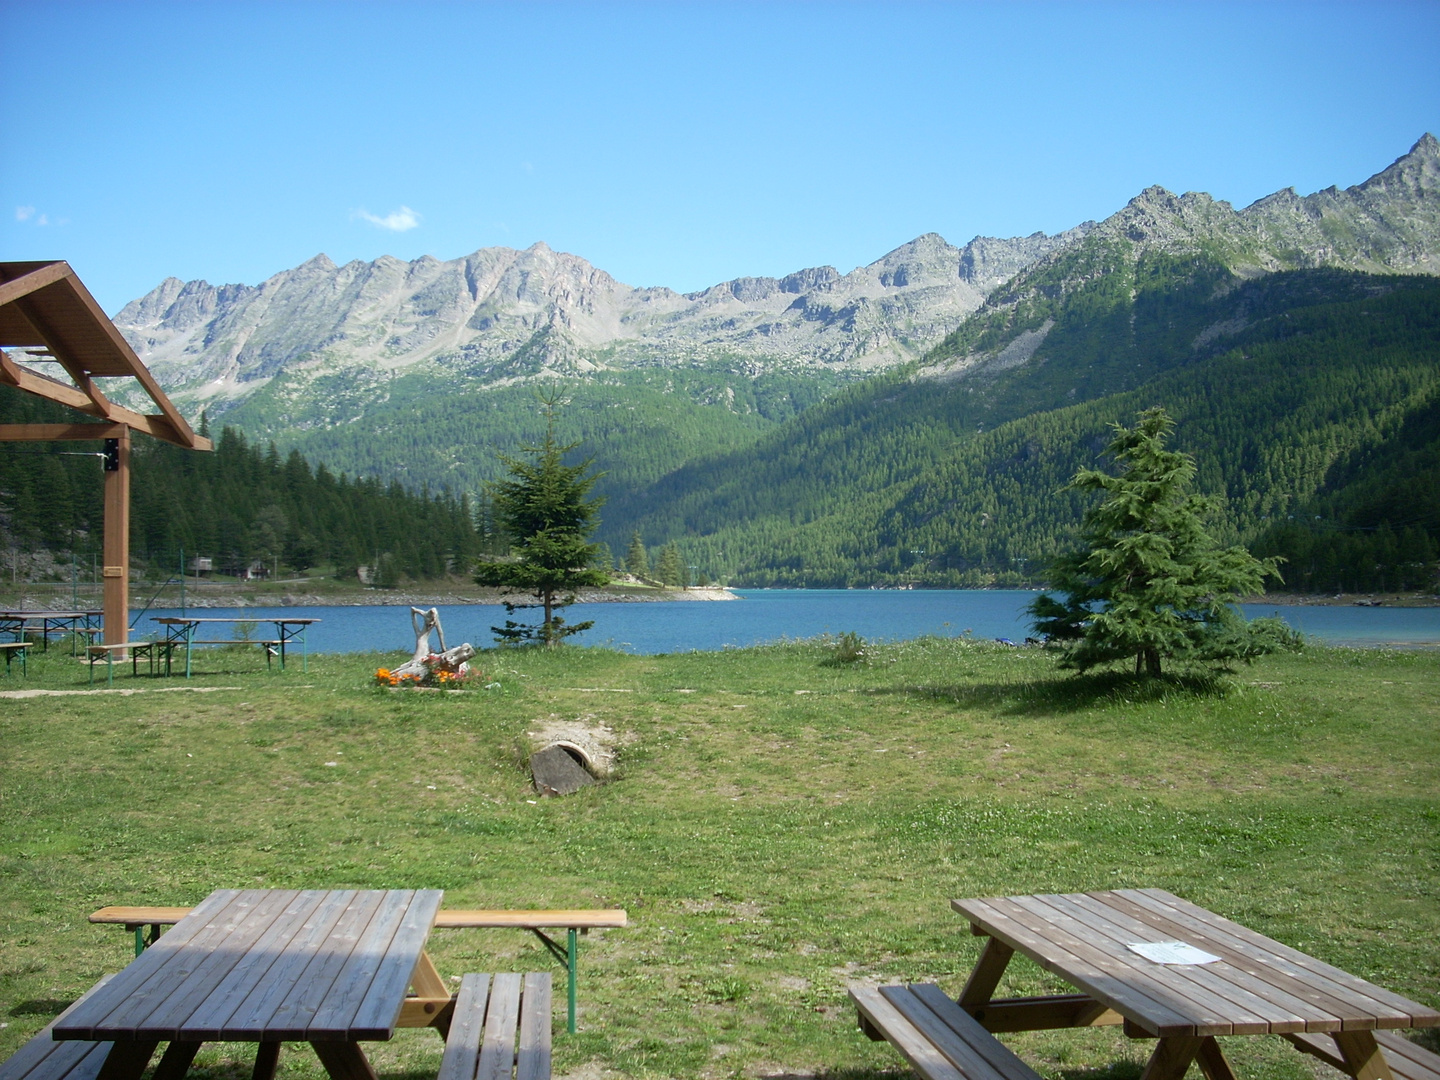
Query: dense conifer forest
{"x":240,"y":505}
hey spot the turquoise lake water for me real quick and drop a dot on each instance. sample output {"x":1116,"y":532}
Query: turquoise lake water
{"x":763,"y":615}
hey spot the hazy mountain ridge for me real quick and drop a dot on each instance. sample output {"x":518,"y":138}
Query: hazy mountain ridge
{"x":1389,"y":224}
{"x":501,"y":313}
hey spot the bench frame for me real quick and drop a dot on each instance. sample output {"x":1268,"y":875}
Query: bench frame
{"x":152,"y":650}
{"x":16,"y":648}
{"x":574,"y":923}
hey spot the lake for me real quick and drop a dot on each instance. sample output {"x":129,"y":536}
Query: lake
{"x":764,"y":615}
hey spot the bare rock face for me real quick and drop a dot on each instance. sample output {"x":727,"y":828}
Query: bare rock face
{"x":557,"y":771}
{"x":500,"y":314}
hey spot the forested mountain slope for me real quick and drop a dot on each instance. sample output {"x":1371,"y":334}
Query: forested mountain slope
{"x":1292,"y":388}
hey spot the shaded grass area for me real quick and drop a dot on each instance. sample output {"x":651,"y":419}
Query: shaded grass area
{"x":777,"y":827}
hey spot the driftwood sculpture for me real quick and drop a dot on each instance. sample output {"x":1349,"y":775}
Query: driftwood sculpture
{"x":426,"y":662}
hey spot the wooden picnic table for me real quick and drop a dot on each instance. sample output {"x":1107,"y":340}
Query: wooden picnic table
{"x":181,"y":630}
{"x":1253,"y":986}
{"x":574,"y":921}
{"x":331,"y":968}
{"x":22,"y":622}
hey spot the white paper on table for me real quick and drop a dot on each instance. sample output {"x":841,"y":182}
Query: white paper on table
{"x":1172,"y":952}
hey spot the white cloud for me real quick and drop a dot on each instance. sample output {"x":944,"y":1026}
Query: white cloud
{"x":402,"y":220}
{"x":24,"y":213}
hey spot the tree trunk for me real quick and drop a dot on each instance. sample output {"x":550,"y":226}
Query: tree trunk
{"x":549,"y":628}
{"x":1152,"y":662}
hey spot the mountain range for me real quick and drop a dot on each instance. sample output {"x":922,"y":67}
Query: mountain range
{"x":809,"y":429}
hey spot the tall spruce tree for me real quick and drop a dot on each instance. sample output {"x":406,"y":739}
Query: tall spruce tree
{"x":637,"y":561}
{"x":545,"y":511}
{"x":1151,"y":583}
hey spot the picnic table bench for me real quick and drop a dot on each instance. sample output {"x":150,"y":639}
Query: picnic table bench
{"x":499,"y":1021}
{"x":154,"y":651}
{"x":181,"y":630}
{"x":1163,"y":968}
{"x":574,"y":922}
{"x":12,"y":649}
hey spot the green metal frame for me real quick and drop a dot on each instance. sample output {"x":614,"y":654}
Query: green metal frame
{"x":21,"y":652}
{"x":567,"y":958}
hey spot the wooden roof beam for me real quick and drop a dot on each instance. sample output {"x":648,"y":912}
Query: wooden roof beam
{"x":23,"y":378}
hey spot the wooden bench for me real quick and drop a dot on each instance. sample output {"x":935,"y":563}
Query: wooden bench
{"x":1407,"y":1060}
{"x":13,"y":649}
{"x":270,"y":645}
{"x":500,"y":1027}
{"x":153,"y":651}
{"x":939,"y":1038}
{"x":46,"y":1058}
{"x":136,"y":919}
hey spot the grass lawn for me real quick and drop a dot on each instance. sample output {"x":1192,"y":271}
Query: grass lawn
{"x":777,"y":828}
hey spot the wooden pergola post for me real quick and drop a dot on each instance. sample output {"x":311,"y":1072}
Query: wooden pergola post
{"x":46,"y":311}
{"x":116,"y":571}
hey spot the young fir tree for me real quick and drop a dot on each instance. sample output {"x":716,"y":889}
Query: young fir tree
{"x":545,"y":511}
{"x":637,"y":561}
{"x":1151,"y":583}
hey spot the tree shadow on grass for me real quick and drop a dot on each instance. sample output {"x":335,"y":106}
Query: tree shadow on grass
{"x":40,"y":1007}
{"x":1062,"y":695}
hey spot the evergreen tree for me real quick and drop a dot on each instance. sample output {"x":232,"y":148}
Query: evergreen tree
{"x":637,"y":561}
{"x":545,"y":510}
{"x":1151,"y":582}
{"x":669,"y":567}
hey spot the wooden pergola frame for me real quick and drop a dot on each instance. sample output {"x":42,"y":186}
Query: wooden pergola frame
{"x":47,"y":311}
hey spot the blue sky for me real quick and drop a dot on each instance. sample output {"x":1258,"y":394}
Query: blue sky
{"x":675,"y":144}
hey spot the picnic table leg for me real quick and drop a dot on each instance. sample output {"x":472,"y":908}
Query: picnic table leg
{"x":344,"y":1060}
{"x":267,"y":1060}
{"x":127,"y":1059}
{"x":980,"y":987}
{"x":1171,"y":1057}
{"x":175,"y":1062}
{"x":1212,"y":1062}
{"x":1363,"y":1059}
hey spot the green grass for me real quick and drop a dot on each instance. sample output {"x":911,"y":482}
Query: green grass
{"x":778,"y":827}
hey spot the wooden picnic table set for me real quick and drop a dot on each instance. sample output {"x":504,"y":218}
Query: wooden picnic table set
{"x":1165,"y":969}
{"x":334,"y":968}
{"x":180,"y":633}
{"x":337,"y":968}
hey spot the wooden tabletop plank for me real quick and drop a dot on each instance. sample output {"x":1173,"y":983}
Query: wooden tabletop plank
{"x":381,"y":1007}
{"x":532,"y":1056}
{"x":334,"y":1018}
{"x":1296,"y":1006}
{"x":1312,"y":1000}
{"x":188,"y":979}
{"x":291,"y":1019}
{"x":1253,"y":1006}
{"x":1003,"y":918}
{"x":1373,"y":1005}
{"x":534,"y":920}
{"x":255,"y":1015}
{"x":462,"y":1045}
{"x":922,"y":1055}
{"x":206,"y":1022}
{"x":135,"y":982}
{"x":1207,"y":1013}
{"x":497,"y":1052}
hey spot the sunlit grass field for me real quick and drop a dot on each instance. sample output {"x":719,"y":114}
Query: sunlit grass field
{"x":776,"y":827}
